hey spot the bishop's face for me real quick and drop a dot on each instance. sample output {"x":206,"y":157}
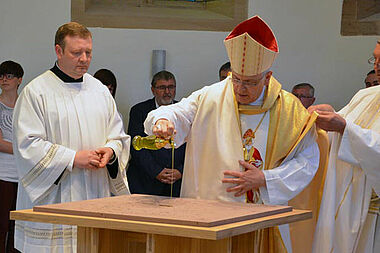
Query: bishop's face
{"x":248,"y":89}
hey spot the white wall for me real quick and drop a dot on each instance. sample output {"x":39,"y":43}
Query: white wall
{"x":311,"y":48}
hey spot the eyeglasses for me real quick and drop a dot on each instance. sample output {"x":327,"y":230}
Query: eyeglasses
{"x":302,"y":96}
{"x":7,"y":76}
{"x":163,"y":87}
{"x":372,"y":60}
{"x":246,"y":83}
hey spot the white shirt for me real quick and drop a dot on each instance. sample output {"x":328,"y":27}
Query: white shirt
{"x":8,"y":170}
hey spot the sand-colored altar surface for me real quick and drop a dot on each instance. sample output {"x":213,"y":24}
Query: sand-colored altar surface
{"x":179,"y":211}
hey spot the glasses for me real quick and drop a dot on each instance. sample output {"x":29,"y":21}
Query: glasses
{"x":7,"y":76}
{"x":163,"y":87}
{"x":245,"y":83}
{"x":372,"y":60}
{"x":302,"y":96}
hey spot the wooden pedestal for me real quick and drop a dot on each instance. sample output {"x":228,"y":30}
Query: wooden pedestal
{"x":99,"y":234}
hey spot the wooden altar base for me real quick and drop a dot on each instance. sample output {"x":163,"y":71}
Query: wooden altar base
{"x":102,"y":234}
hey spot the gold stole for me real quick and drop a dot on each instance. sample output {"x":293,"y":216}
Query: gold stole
{"x":289,"y":122}
{"x":310,"y":198}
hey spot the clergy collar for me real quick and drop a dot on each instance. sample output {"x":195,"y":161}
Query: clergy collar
{"x":64,"y":77}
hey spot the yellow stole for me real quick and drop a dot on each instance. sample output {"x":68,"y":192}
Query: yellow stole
{"x":289,"y":122}
{"x":310,"y":198}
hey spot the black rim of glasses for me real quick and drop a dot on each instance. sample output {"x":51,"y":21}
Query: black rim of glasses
{"x":169,"y":87}
{"x":245,"y":83}
{"x":7,"y":76}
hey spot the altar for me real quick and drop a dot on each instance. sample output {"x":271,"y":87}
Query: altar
{"x":146,"y":223}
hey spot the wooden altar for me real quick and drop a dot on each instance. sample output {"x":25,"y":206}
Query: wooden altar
{"x":143,"y":223}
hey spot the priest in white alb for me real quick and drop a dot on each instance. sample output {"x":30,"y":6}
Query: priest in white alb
{"x":247,"y":139}
{"x":69,"y":141}
{"x":349,"y":214}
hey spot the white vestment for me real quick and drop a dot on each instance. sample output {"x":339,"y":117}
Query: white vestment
{"x":205,"y":161}
{"x":348,"y":219}
{"x":53,"y":120}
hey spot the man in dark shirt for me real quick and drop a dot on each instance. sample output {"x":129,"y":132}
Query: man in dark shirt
{"x":149,"y":171}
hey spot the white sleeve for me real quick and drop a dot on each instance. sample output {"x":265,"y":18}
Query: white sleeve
{"x":181,"y":114}
{"x":119,"y":141}
{"x":292,"y":176}
{"x":361,"y":147}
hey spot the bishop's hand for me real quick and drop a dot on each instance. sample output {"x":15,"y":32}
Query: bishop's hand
{"x":251,"y":179}
{"x":164,"y":129}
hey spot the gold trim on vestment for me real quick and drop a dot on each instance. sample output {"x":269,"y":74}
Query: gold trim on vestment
{"x":58,"y":232}
{"x":310,"y":198}
{"x":40,"y":166}
{"x":288,"y":124}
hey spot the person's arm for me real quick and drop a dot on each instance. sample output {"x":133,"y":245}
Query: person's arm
{"x":117,"y":145}
{"x":178,"y":117}
{"x":5,"y":146}
{"x":361,"y":147}
{"x":292,"y":176}
{"x":142,"y":158}
{"x":279,"y":185}
{"x":328,"y":119}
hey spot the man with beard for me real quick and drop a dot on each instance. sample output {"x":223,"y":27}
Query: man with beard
{"x":149,"y":171}
{"x":66,"y":133}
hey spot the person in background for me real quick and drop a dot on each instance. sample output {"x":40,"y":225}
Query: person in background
{"x":371,"y":79}
{"x":224,"y":70}
{"x":149,"y":171}
{"x":108,"y":79}
{"x":66,"y":130}
{"x":11,"y":74}
{"x":305,"y":93}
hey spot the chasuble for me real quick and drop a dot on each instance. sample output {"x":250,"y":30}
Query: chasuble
{"x":211,"y":124}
